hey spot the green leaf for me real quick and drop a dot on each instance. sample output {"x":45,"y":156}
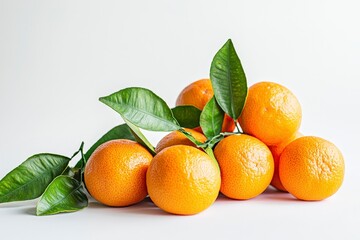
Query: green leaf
{"x":30,"y":179}
{"x":228,"y":80}
{"x":142,"y":108}
{"x":64,"y":194}
{"x":187,"y":116}
{"x":140,"y":138}
{"x":211,"y":119}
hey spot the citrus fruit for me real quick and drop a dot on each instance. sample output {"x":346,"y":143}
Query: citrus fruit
{"x":178,"y":138}
{"x":183,"y":180}
{"x":311,"y":168}
{"x":271,"y":113}
{"x":276,"y":151}
{"x":198,"y":94}
{"x":115,"y":173}
{"x":246,"y":166}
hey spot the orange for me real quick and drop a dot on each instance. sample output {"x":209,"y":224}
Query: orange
{"x":276,"y":151}
{"x":271,"y":113}
{"x":183,"y":180}
{"x":115,"y":173}
{"x":246,"y":166}
{"x":311,"y":168}
{"x":198,"y":94}
{"x":178,"y":138}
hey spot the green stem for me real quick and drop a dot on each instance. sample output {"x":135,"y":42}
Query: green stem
{"x":83,"y":161}
{"x":237,"y":126}
{"x":191,"y":137}
{"x":228,"y":133}
{"x":80,"y":149}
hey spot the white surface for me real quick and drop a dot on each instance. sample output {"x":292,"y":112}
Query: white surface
{"x":58,"y":57}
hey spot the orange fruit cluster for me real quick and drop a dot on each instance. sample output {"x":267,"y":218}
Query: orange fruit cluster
{"x":183,"y":179}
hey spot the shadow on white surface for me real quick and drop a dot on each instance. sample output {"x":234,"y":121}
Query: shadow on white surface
{"x":269,"y":195}
{"x":145,"y":207}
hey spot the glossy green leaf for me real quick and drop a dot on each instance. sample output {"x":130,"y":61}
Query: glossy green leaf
{"x":64,"y":194}
{"x":211,"y":119}
{"x":187,"y":116}
{"x":30,"y":179}
{"x":228,"y":80}
{"x":142,"y":108}
{"x":140,"y":138}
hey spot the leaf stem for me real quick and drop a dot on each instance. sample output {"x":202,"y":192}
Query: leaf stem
{"x":83,"y":162}
{"x":80,"y":149}
{"x":191,"y":137}
{"x":237,"y":126}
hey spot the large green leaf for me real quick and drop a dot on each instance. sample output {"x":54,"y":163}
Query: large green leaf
{"x":64,"y":194}
{"x":187,"y":116}
{"x":211,"y":119}
{"x":30,"y":179}
{"x":140,"y":138}
{"x":143,"y":108}
{"x":228,"y":80}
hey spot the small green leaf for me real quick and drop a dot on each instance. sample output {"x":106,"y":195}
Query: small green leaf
{"x":187,"y":116}
{"x":30,"y":179}
{"x":140,"y":138}
{"x":211,"y":119}
{"x":228,"y":80}
{"x":142,"y":108}
{"x":64,"y":194}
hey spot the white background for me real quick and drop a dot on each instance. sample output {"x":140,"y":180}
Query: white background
{"x":58,"y":57}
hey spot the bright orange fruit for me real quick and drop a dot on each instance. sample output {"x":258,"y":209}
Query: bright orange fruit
{"x":115,"y":173}
{"x":246,"y":165}
{"x":183,"y":180}
{"x":271,"y":113}
{"x":311,"y":168}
